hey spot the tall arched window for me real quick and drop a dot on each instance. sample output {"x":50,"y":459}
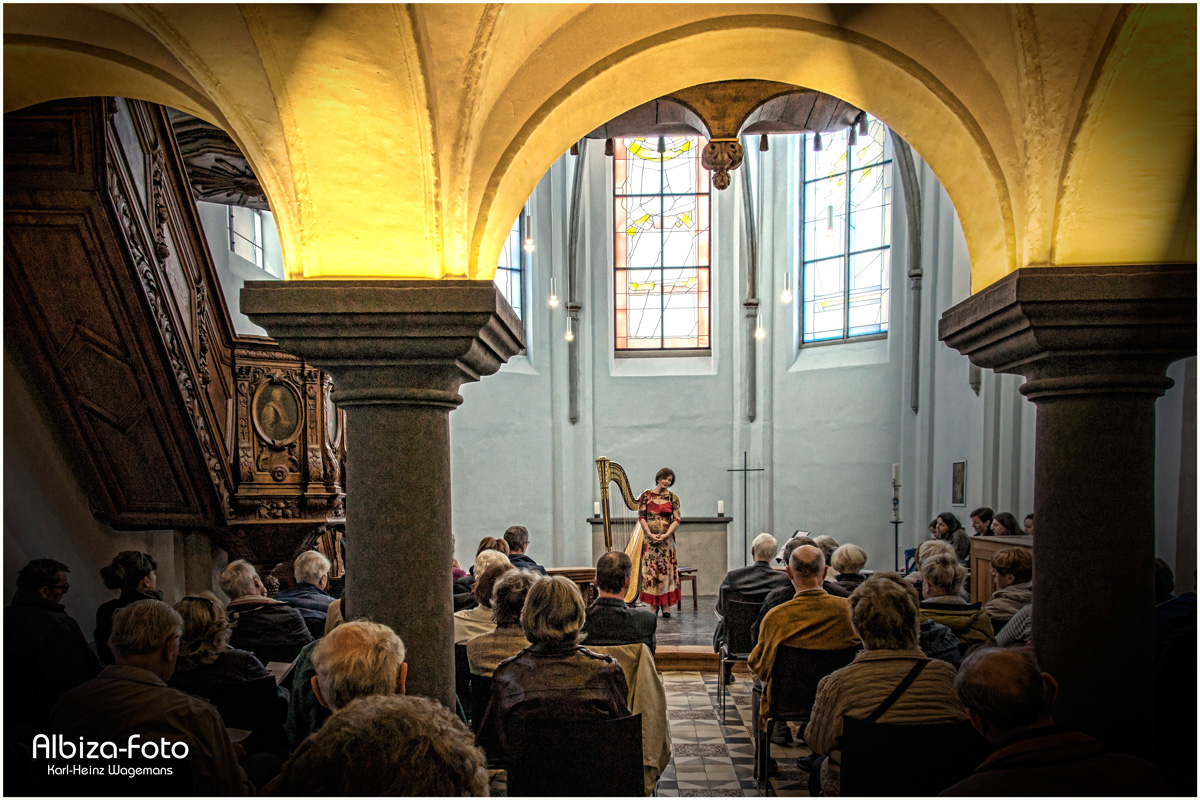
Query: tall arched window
{"x":845,"y":235}
{"x":661,"y":211}
{"x":510,"y":271}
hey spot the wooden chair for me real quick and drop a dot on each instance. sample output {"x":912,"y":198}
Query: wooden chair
{"x":794,"y":678}
{"x":878,"y":757}
{"x":579,"y":759}
{"x":688,"y":575}
{"x":739,"y":619}
{"x":462,"y":677}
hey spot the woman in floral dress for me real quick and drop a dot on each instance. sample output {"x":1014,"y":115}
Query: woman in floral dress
{"x":658,"y":517}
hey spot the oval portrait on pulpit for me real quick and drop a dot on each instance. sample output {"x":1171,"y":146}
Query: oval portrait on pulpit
{"x":277,"y":413}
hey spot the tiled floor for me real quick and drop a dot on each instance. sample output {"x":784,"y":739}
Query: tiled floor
{"x":712,"y":759}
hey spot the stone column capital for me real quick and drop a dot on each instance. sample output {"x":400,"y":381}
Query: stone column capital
{"x":390,"y":341}
{"x":1080,"y":330}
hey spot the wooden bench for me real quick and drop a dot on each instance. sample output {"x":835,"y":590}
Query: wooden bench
{"x":688,"y":574}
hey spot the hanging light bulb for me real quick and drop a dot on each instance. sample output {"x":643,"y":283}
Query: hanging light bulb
{"x":785,"y":296}
{"x":608,"y":147}
{"x":762,"y":144}
{"x":862,"y":123}
{"x":853,"y":136}
{"x":570,"y":337}
{"x":759,"y":331}
{"x":553,"y":302}
{"x":662,"y":144}
{"x":528,"y":234}
{"x":817,"y":143}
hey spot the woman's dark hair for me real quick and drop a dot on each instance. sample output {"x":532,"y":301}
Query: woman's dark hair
{"x":665,"y":472}
{"x":492,"y":543}
{"x":1010,"y":523}
{"x":951,"y":521}
{"x":984,"y":514}
{"x":127,"y":570}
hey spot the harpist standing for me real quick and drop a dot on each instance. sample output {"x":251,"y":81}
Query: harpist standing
{"x":658,"y":517}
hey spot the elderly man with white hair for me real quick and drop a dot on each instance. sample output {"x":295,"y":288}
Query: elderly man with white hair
{"x":272,"y":630}
{"x":749,"y":584}
{"x":308,"y":596}
{"x":130,"y":701}
{"x":358,"y":659}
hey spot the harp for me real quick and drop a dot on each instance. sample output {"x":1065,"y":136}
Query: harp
{"x":621,"y":533}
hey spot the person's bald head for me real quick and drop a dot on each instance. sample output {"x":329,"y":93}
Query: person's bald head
{"x":806,"y":567}
{"x":1004,"y":692}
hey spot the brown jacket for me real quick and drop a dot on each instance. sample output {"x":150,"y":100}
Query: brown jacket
{"x":860,"y":688}
{"x":813,"y":619}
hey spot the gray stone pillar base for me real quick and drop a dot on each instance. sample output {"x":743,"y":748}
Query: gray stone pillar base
{"x":1094,"y":344}
{"x":398,"y":352}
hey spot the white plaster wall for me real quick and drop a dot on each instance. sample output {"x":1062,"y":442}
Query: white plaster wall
{"x":232,"y":269}
{"x":46,"y":515}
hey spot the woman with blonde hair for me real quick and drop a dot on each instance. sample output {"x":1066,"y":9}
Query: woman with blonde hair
{"x":554,"y":679}
{"x":944,"y":603}
{"x":847,"y":563}
{"x":233,"y":680}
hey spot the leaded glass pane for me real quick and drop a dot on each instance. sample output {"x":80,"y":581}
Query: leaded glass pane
{"x":829,"y":160}
{"x":846,"y":234}
{"x":825,"y":218}
{"x":661,"y":214}
{"x":868,"y":292}
{"x":870,"y":207}
{"x":510,"y":269}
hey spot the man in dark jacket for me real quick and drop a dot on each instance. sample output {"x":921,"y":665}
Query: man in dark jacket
{"x":752,"y":583}
{"x":45,"y":652}
{"x":309,"y":596}
{"x":517,"y":539}
{"x":609,"y":619}
{"x":272,"y":630}
{"x":1008,"y":700}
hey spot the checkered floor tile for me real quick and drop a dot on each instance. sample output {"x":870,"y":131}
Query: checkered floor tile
{"x":713,"y":758}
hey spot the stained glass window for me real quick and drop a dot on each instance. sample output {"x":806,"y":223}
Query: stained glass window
{"x":845,"y":235}
{"x":661,"y":211}
{"x":510,"y":272}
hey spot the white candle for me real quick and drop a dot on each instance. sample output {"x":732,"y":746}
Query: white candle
{"x":896,"y":473}
{"x":596,"y":509}
{"x":720,"y":508}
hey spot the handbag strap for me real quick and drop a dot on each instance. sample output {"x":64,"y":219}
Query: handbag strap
{"x":899,"y":690}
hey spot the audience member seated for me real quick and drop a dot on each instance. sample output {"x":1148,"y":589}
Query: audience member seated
{"x":517,"y":538}
{"x":1171,"y":613}
{"x":554,"y":678}
{"x":308,"y":596}
{"x":784,"y":593}
{"x":950,"y":530}
{"x":133,"y":572}
{"x":207,"y":665}
{"x":926,"y":550}
{"x":944,"y":602}
{"x":848,"y":561}
{"x":938,"y":641}
{"x":1005,"y":524}
{"x":828,"y":545}
{"x":981,"y":521}
{"x":609,"y":619}
{"x":478,"y":620}
{"x":1012,"y":575}
{"x":813,"y":620}
{"x":45,"y":652}
{"x":132,"y":697}
{"x":271,"y":630}
{"x":387,"y":746}
{"x":749,"y":584}
{"x":884,"y":614}
{"x":1009,"y":701}
{"x":464,"y":587}
{"x":1029,"y":524}
{"x":305,"y":713}
{"x":487,"y":650}
{"x":357,"y":659}
{"x":1018,"y":631}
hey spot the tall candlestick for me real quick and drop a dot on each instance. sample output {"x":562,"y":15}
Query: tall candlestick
{"x":720,"y":508}
{"x":596,"y":509}
{"x":895,"y":473}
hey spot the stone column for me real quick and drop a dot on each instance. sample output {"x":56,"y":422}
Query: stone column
{"x":398,"y":350}
{"x":1094,"y":344}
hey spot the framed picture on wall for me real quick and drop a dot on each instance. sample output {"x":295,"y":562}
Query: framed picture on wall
{"x":958,"y":483}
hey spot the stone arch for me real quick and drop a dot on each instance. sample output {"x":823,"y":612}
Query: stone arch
{"x":863,"y":71}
